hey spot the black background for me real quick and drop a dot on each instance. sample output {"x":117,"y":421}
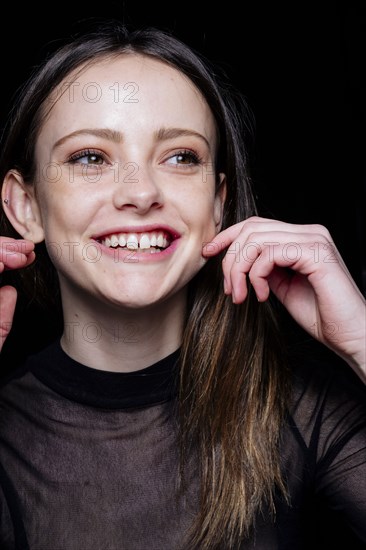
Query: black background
{"x":301,"y":67}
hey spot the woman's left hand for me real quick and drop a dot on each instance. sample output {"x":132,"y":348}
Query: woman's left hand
{"x":301,"y":265}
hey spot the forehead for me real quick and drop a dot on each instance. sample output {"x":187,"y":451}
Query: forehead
{"x":130,"y":90}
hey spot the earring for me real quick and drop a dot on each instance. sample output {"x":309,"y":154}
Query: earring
{"x":6,"y":201}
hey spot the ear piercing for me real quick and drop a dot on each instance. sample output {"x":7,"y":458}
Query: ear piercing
{"x":6,"y":201}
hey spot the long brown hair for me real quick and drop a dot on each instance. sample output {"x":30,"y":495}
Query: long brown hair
{"x":233,"y":377}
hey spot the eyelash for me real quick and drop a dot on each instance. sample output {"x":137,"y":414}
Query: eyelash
{"x":85,"y":153}
{"x":194,"y":158}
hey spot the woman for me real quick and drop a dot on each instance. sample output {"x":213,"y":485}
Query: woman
{"x":168,"y":415}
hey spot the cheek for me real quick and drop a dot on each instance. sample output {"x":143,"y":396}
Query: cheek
{"x":55,"y":219}
{"x":62,"y":208}
{"x":62,"y":230}
{"x":202,"y":214}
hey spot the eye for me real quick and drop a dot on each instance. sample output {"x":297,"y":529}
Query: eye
{"x":184,"y":158}
{"x":88,"y":157}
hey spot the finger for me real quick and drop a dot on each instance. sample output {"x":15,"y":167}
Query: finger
{"x":257,"y":226}
{"x":16,"y":254}
{"x":242,"y":229}
{"x":236,"y":266}
{"x":8,"y":297}
{"x":279,"y":281}
{"x":239,"y":288}
{"x":221,"y":241}
{"x":258,"y":259}
{"x":22,"y":245}
{"x":30,"y":258}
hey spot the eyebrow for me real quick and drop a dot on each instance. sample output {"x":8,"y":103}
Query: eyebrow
{"x":171,"y":133}
{"x":105,"y":133}
{"x":113,"y":135}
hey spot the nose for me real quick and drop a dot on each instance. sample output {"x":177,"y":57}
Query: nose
{"x":137,"y":190}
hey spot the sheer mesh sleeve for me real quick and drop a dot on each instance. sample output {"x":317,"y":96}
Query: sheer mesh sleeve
{"x":329,"y":418}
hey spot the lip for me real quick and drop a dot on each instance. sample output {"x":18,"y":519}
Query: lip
{"x":134,"y":256}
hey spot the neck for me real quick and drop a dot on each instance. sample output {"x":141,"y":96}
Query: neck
{"x":122,"y":340}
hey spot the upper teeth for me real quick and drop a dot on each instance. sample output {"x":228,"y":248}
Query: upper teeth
{"x":132,"y":241}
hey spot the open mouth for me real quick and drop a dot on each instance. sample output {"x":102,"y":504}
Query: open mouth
{"x":148,"y":241}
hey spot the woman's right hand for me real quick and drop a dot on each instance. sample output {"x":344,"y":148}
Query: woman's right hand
{"x":14,"y":254}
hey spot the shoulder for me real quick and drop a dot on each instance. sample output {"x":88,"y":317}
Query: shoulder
{"x":328,"y":401}
{"x":325,"y":379}
{"x":20,"y":377}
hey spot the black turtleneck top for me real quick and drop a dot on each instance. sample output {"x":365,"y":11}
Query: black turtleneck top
{"x":89,"y":460}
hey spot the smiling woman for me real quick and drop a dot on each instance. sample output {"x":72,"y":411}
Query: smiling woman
{"x":170,"y":139}
{"x":169,"y":414}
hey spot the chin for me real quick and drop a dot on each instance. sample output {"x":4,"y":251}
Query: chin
{"x":133,"y":300}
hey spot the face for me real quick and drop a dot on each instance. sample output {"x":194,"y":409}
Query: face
{"x":126,"y":184}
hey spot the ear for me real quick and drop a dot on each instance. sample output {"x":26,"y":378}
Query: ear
{"x":21,"y":207}
{"x":219,"y":202}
